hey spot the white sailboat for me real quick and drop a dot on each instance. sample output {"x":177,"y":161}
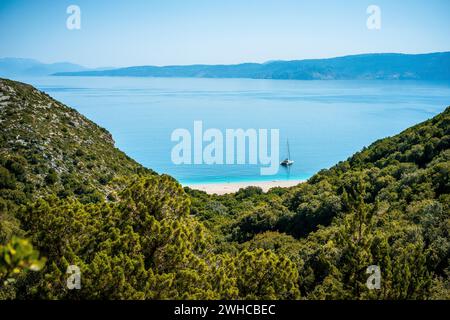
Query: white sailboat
{"x":288,"y":161}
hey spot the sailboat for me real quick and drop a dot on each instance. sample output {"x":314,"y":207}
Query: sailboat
{"x":287,"y":162}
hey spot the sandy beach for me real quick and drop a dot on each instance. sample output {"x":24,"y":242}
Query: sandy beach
{"x":231,"y":187}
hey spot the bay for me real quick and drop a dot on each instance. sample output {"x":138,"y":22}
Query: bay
{"x":325,"y":121}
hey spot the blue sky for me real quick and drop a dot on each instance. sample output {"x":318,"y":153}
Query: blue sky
{"x":164,"y":32}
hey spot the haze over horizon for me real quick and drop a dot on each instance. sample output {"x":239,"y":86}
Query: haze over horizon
{"x":138,"y":33}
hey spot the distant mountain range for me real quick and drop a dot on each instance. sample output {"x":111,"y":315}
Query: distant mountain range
{"x":14,"y":67}
{"x":381,"y":66}
{"x":385,"y":66}
{"x":29,"y":67}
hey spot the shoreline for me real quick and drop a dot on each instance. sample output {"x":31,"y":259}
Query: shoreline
{"x":232,"y":187}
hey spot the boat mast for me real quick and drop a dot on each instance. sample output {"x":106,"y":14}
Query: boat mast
{"x":289,"y":152}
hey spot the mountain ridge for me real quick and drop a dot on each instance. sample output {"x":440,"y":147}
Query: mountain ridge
{"x":377,"y":66}
{"x":25,"y":67}
{"x":31,"y":67}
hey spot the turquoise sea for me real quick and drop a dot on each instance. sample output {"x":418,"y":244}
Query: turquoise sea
{"x":325,"y":121}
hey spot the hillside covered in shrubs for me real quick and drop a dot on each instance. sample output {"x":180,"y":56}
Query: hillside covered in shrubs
{"x":69,"y":197}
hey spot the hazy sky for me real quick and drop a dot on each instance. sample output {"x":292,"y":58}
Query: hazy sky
{"x":146,"y":32}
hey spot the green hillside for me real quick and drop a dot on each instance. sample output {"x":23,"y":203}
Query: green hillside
{"x":68,"y":197}
{"x":48,"y":147}
{"x":387,"y":205}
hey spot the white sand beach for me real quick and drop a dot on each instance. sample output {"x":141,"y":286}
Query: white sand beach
{"x":231,"y":187}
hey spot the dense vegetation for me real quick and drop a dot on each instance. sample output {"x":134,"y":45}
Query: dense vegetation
{"x":68,"y":197}
{"x":46,"y":147}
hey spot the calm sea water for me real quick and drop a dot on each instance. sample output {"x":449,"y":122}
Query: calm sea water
{"x":325,"y":121}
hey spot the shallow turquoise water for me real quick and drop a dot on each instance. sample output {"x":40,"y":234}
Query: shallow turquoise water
{"x":325,"y":121}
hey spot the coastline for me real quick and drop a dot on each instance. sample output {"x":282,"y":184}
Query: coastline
{"x":232,"y":187}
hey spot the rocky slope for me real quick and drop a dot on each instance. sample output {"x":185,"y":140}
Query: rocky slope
{"x":47,"y":146}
